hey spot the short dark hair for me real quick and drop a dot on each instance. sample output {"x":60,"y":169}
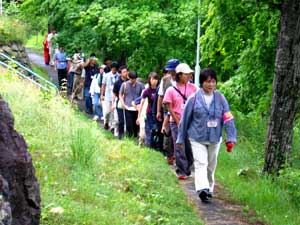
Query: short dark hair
{"x":132,"y":75}
{"x":93,"y":54}
{"x":153,"y":75}
{"x":123,"y":67}
{"x":206,"y":73}
{"x":114,"y":65}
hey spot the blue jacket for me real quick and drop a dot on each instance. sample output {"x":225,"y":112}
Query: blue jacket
{"x":193,"y":123}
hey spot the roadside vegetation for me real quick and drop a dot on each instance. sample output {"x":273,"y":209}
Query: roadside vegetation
{"x":11,"y":30}
{"x":85,"y":175}
{"x":35,"y":43}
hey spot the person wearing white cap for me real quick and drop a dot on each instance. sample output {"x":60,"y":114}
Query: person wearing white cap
{"x":175,"y":99}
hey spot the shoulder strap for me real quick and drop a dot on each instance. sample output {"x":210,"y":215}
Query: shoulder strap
{"x":183,"y":96}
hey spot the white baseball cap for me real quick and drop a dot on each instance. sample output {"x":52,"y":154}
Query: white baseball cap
{"x":183,"y":68}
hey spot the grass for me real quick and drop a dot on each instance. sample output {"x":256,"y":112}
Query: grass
{"x":86,"y":176}
{"x":40,"y":71}
{"x":99,"y":180}
{"x":35,"y":43}
{"x":240,"y":173}
{"x":11,"y":30}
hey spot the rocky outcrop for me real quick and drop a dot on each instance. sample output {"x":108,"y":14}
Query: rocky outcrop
{"x":19,"y":188}
{"x":15,"y":51}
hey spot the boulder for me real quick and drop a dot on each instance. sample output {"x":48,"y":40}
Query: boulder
{"x":20,"y":189}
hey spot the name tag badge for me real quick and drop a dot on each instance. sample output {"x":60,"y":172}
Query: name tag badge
{"x":182,"y":106}
{"x":212,"y":123}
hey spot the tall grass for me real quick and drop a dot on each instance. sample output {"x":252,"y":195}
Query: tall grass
{"x":90,"y":177}
{"x":241,"y":175}
{"x":11,"y":30}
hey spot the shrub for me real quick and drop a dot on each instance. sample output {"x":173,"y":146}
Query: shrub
{"x":11,"y":30}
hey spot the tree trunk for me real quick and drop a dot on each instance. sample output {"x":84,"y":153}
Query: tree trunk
{"x":286,"y":87}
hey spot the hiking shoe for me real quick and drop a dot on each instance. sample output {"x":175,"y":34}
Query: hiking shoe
{"x":181,"y":177}
{"x":203,"y":195}
{"x":95,"y":117}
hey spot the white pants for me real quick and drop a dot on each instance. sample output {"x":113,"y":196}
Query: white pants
{"x":205,"y":162}
{"x":111,"y":118}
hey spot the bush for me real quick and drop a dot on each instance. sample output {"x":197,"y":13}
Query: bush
{"x":11,"y":30}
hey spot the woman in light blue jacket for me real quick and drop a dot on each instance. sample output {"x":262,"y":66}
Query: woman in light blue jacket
{"x":202,"y":121}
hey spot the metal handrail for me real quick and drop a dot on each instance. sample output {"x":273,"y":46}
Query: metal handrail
{"x":29,"y":71}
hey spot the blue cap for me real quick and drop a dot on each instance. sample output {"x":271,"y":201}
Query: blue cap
{"x":171,"y":64}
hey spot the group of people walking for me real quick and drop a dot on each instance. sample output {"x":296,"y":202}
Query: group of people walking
{"x":170,"y":114}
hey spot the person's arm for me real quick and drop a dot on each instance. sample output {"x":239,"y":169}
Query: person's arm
{"x":102,"y":91}
{"x":165,"y":122}
{"x":121,"y":95}
{"x":228,"y":121}
{"x":159,"y":105}
{"x":140,"y":110}
{"x":173,"y":114}
{"x":113,"y":98}
{"x":86,"y":63}
{"x":159,"y":101}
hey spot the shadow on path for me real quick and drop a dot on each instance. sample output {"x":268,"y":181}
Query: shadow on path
{"x":218,"y":212}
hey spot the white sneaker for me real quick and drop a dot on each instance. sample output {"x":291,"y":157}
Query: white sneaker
{"x":95,"y":117}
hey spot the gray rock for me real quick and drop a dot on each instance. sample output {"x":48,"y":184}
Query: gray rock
{"x":5,"y":210}
{"x":17,"y":170}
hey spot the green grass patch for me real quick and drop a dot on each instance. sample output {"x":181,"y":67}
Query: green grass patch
{"x":93,"y":178}
{"x":35,"y":43}
{"x":40,"y":71}
{"x":273,"y":200}
{"x":11,"y":30}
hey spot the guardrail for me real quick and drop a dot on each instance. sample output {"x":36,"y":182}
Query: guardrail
{"x":36,"y":79}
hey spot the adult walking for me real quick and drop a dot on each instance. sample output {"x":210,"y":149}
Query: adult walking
{"x":162,"y":115}
{"x":149,"y":94}
{"x":109,"y":79}
{"x":91,"y":68}
{"x":61,"y":66}
{"x":118,"y":105}
{"x":202,"y":121}
{"x":129,"y":92}
{"x":46,"y":50}
{"x":175,"y":99}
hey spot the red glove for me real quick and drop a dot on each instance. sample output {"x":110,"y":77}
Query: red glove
{"x":229,"y":146}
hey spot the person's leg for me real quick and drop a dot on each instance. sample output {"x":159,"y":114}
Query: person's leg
{"x":88,"y":100}
{"x":129,"y":123}
{"x":106,"y":111}
{"x":148,"y":129}
{"x":115,"y":123}
{"x":213,"y":151}
{"x":70,"y":83}
{"x":121,"y":122}
{"x":59,"y":78}
{"x":96,"y":101}
{"x":181,"y":161}
{"x":200,"y":153}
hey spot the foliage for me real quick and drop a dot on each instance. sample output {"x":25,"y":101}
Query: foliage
{"x":239,"y":41}
{"x":122,"y":184}
{"x":238,"y":38}
{"x":289,"y":179}
{"x":11,"y":30}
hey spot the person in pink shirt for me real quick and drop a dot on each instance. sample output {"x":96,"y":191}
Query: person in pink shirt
{"x":175,"y":99}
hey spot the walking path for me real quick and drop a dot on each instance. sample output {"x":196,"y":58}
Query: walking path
{"x":218,"y":212}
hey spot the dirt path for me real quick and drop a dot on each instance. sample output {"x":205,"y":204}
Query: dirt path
{"x":39,"y":60}
{"x":218,"y":212}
